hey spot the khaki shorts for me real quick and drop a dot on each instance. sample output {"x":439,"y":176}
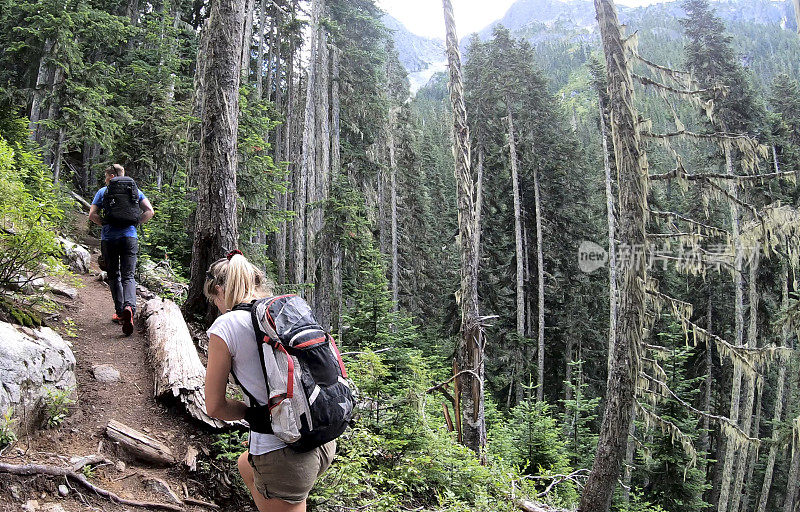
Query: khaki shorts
{"x":288,"y":475}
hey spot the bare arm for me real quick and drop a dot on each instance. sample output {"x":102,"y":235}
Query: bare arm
{"x":94,"y":215}
{"x":219,"y":366}
{"x":147,"y":212}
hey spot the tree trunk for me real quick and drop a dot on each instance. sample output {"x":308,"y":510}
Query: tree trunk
{"x":797,"y":13}
{"x":275,"y":41}
{"x":705,"y":436}
{"x":752,"y":459}
{"x":632,"y":171}
{"x":736,"y":389}
{"x":317,"y":247}
{"x":469,"y":354}
{"x":393,"y":111}
{"x":612,"y":244}
{"x":43,"y":79}
{"x":540,"y":284}
{"x":247,"y":40}
{"x":139,"y":444}
{"x":308,"y":159}
{"x":179,"y":373}
{"x":216,"y":225}
{"x":793,"y":482}
{"x":512,"y":149}
{"x":260,"y":57}
{"x":781,"y":384}
{"x":750,"y":386}
{"x":57,"y":152}
{"x":283,"y":231}
{"x":336,"y":169}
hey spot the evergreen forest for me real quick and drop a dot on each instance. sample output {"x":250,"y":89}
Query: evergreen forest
{"x":563,"y":273}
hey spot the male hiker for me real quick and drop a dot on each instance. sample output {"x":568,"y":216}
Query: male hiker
{"x":119,"y":207}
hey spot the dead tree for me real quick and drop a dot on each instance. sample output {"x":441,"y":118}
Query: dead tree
{"x":624,"y":360}
{"x":468,"y":363}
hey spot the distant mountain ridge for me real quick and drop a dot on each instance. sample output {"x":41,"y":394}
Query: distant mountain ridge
{"x":569,"y":20}
{"x":416,"y":53}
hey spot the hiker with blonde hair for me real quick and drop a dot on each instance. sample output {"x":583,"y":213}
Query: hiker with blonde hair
{"x":278,"y":477}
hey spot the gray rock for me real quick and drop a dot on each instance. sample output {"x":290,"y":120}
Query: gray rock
{"x":63,"y":490}
{"x":63,"y":290}
{"x":30,"y":506}
{"x":23,"y":283}
{"x":32,"y":363}
{"x":76,"y":256}
{"x":120,"y":466}
{"x":15,"y":492}
{"x":161,"y":487}
{"x":105,"y":373}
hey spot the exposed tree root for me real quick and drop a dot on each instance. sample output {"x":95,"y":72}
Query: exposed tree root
{"x":38,"y":469}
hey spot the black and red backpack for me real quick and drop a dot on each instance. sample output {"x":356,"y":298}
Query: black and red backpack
{"x":310,"y":399}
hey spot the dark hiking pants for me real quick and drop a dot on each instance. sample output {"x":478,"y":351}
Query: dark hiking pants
{"x":120,"y":256}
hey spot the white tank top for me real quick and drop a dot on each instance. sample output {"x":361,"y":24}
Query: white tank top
{"x":236,"y":330}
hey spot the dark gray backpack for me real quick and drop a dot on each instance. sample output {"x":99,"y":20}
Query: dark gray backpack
{"x":121,"y":203}
{"x":310,"y":399}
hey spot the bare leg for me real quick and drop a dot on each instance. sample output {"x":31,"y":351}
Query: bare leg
{"x":264,"y":504}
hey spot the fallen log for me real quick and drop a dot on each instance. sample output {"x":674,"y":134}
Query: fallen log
{"x":83,"y":202}
{"x":139,"y":444}
{"x":179,"y":373}
{"x":37,"y":469}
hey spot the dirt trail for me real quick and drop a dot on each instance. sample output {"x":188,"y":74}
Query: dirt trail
{"x":130,"y":400}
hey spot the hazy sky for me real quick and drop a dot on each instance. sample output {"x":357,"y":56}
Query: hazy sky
{"x":425,"y":18}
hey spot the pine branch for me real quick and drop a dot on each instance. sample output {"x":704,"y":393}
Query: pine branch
{"x":678,"y":216}
{"x":695,"y":135}
{"x":674,"y":173}
{"x":722,"y":420}
{"x":666,"y":70}
{"x":684,"y":92}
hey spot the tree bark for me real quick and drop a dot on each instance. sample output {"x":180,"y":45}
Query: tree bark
{"x":393,"y":111}
{"x":793,"y":484}
{"x":796,"y":4}
{"x":780,"y":389}
{"x":736,"y":387}
{"x":612,"y":244}
{"x":260,"y":57}
{"x":539,"y":284}
{"x":43,"y":79}
{"x":247,"y":40}
{"x":216,"y":224}
{"x":318,"y":260}
{"x":179,"y":373}
{"x":632,"y":171}
{"x":750,"y":386}
{"x":512,"y":150}
{"x":308,"y":159}
{"x":469,"y":354}
{"x":140,"y":445}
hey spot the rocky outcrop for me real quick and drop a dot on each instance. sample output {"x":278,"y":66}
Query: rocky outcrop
{"x":76,"y":256}
{"x":33,"y":363}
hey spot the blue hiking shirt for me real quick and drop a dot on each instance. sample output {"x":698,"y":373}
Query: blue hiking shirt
{"x":110,"y":232}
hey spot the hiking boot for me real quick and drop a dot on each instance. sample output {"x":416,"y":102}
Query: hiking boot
{"x":116,"y":319}
{"x":127,"y":321}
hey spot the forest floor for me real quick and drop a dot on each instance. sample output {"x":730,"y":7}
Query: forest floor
{"x":98,"y":341}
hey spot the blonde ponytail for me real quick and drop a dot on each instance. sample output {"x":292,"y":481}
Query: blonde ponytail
{"x":239,"y":279}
